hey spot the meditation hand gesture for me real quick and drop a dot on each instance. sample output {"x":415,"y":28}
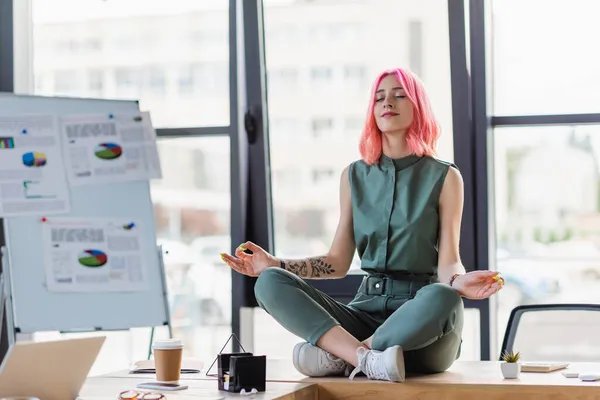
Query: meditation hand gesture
{"x":250,"y":264}
{"x":478,"y":285}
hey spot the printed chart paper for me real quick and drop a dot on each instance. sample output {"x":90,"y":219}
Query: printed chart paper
{"x":93,"y":255}
{"x":110,"y":148}
{"x":139,"y":140}
{"x":32,"y":174}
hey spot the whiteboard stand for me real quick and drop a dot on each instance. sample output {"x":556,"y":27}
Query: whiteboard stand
{"x":6,"y":304}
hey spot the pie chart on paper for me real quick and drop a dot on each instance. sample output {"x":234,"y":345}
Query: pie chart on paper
{"x":92,"y":258}
{"x":34,"y":159}
{"x":108,"y":151}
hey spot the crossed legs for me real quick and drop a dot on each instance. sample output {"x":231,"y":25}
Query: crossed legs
{"x":313,"y":315}
{"x":427,"y":328}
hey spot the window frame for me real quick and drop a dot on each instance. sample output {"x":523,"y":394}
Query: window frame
{"x":484,"y":164}
{"x":241,"y":192}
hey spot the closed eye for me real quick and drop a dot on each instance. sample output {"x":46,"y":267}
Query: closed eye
{"x":398,"y":96}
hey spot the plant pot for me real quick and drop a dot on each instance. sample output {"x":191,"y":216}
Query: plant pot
{"x":510,"y":370}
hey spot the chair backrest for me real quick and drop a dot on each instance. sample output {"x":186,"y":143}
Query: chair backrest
{"x":554,"y":332}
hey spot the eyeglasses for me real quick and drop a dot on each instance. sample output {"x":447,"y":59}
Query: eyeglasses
{"x":134,"y":395}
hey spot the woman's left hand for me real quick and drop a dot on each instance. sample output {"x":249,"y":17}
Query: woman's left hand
{"x":478,"y":285}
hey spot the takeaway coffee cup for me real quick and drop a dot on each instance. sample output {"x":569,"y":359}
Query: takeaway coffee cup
{"x":167,"y":359}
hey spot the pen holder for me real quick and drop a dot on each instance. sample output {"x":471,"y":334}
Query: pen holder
{"x":242,"y":371}
{"x":237,"y":372}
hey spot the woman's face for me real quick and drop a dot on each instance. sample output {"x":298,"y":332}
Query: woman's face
{"x":393,"y":111}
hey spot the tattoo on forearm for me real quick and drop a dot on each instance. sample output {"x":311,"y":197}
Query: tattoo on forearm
{"x":297,"y":267}
{"x":320,"y":268}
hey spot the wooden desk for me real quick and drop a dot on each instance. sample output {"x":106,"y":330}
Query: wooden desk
{"x":101,"y":388}
{"x":465,"y":380}
{"x":469,"y":381}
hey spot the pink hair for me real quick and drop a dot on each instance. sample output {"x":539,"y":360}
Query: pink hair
{"x":422,"y":134}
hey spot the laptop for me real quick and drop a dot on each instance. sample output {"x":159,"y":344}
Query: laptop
{"x":52,"y":370}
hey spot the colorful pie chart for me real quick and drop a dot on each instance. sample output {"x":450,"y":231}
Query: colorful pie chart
{"x":108,"y":151}
{"x":92,"y":258}
{"x":34,"y":159}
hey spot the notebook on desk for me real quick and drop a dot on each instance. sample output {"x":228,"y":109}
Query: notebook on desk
{"x":147,"y":367}
{"x":532,"y":366}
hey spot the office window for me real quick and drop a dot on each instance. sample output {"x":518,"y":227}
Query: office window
{"x":186,"y":80}
{"x":282,"y":78}
{"x":328,"y":141}
{"x":322,"y":32}
{"x":415,"y":46}
{"x":96,"y":81}
{"x":156,"y":81}
{"x":355,"y":72}
{"x":322,"y":127}
{"x":128,"y":82}
{"x":323,"y":175}
{"x":286,"y":177}
{"x":321,"y":75}
{"x":201,"y":180}
{"x":62,"y":46}
{"x":67,"y":82}
{"x":333,"y":33}
{"x":284,"y":129}
{"x":78,"y":46}
{"x":212,"y":76}
{"x":547,"y":215}
{"x":353,"y":124}
{"x":128,"y":43}
{"x":40,"y":83}
{"x":192,"y":218}
{"x":539,"y":69}
{"x":93,"y":44}
{"x":206,"y":38}
{"x":350,"y":31}
{"x":281,"y":34}
{"x":355,"y":75}
{"x":353,"y":128}
{"x":201,"y":77}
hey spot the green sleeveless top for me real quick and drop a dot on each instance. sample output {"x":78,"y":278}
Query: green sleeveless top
{"x":395,"y":207}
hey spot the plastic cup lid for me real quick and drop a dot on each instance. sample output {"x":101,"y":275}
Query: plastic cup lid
{"x":167,"y":344}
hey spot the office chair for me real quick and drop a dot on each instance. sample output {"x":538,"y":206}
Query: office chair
{"x":554,"y":332}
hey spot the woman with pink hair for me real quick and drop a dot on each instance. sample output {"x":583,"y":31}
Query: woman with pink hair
{"x":401,"y":209}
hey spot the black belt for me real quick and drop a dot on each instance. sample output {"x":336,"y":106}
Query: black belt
{"x":394,"y":285}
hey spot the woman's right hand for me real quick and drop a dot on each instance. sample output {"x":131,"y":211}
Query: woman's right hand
{"x":250,"y":264}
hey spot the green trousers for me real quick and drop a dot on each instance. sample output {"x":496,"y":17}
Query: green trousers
{"x":424,"y":318}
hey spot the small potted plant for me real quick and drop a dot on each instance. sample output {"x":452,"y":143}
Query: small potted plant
{"x":510,"y":366}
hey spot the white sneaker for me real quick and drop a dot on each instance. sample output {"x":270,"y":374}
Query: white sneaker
{"x":313,"y":361}
{"x":385,"y":365}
